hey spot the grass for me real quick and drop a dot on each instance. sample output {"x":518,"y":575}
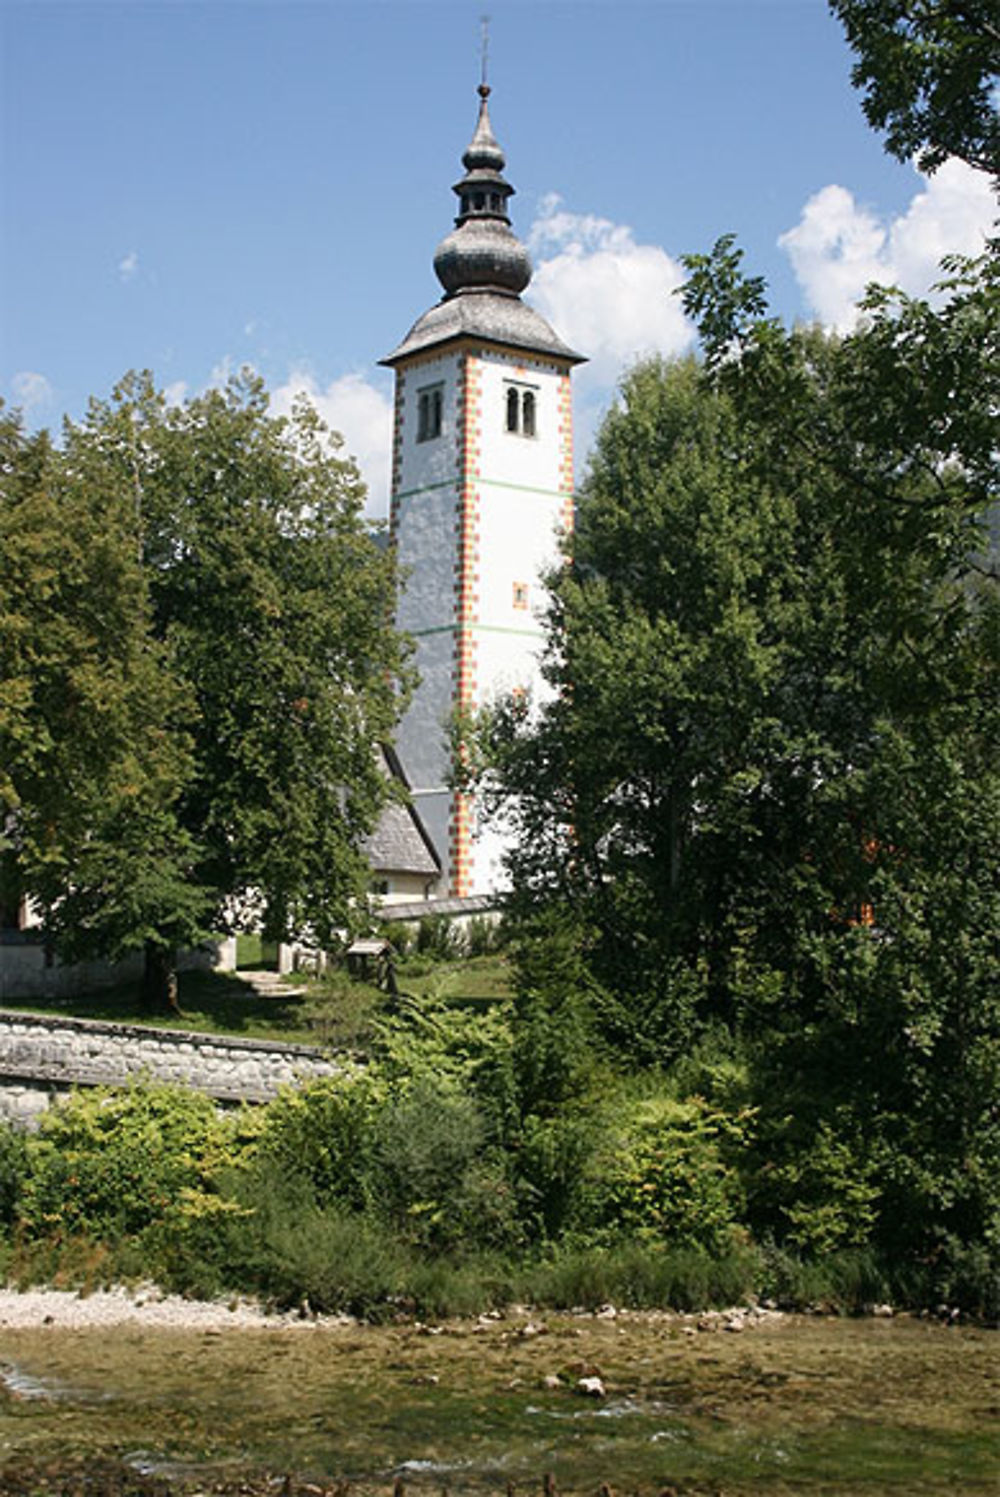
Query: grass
{"x":210,"y":1003}
{"x":335,"y":1012}
{"x":461,"y":981}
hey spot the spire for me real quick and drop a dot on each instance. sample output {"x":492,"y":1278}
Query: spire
{"x":482,"y":253}
{"x":484,"y":151}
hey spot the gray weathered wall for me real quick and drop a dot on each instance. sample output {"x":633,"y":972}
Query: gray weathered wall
{"x":41,"y":1056}
{"x":27,"y":970}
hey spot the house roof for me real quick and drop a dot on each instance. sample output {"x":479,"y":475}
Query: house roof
{"x":399,"y":842}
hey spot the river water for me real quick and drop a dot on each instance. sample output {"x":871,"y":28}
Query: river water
{"x":792,"y":1404}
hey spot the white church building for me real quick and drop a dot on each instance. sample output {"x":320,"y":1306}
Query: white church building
{"x":482,"y":485}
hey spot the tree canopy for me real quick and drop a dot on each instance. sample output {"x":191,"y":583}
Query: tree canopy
{"x":930,"y":71}
{"x":766,"y":783}
{"x":207,"y":617}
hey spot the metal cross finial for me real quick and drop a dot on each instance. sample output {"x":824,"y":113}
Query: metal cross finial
{"x":485,"y":23}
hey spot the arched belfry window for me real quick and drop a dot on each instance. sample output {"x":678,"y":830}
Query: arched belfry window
{"x":513,"y":408}
{"x":521,"y":411}
{"x":430,"y":409}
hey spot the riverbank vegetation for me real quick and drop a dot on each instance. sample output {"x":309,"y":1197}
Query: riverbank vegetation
{"x":477,"y":1155}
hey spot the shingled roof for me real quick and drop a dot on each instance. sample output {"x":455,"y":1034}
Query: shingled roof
{"x":399,"y":842}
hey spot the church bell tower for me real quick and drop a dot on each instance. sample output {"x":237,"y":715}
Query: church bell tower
{"x":482,"y":484}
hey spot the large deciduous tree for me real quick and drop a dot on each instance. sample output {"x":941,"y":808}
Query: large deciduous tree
{"x":262,"y":594}
{"x":930,"y":70}
{"x":767,"y":780}
{"x":94,"y":747}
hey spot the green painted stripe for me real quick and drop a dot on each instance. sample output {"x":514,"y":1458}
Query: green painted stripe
{"x":475,"y":629}
{"x":521,"y":488}
{"x":492,"y":483}
{"x":427,"y":488}
{"x":501,"y":629}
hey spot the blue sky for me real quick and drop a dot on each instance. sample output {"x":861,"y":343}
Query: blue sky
{"x":194,"y":186}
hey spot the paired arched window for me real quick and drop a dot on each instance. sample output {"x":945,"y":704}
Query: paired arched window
{"x":521,"y":416}
{"x":430,"y":407}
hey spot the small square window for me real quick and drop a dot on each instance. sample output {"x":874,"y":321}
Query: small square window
{"x":430,"y":409}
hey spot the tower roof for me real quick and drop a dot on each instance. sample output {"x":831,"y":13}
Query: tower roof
{"x":482,"y":264}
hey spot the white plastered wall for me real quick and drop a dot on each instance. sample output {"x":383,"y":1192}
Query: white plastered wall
{"x":521,"y":509}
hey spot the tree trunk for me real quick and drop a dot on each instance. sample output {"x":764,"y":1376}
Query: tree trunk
{"x":160,"y":979}
{"x":11,"y":892}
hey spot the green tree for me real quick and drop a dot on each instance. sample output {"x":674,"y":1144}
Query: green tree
{"x":265,"y":604}
{"x":93,"y":746}
{"x":930,"y":70}
{"x":767,"y":776}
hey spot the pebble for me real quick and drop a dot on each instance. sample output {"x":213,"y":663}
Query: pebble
{"x":29,"y":1308}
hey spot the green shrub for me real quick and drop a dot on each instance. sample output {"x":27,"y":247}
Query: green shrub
{"x":280,"y":1243}
{"x":438,"y":937}
{"x":13,"y":1172}
{"x":554,"y":1053}
{"x":964,"y":1276}
{"x":553,"y":1164}
{"x":438,"y":1179}
{"x":323,"y":1135}
{"x":814,"y":1184}
{"x":105,"y":1164}
{"x":661,"y":1173}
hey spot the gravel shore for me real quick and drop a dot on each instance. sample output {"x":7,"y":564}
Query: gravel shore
{"x":146,"y":1306}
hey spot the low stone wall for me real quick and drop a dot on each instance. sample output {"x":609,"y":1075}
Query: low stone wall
{"x":42,"y":1056}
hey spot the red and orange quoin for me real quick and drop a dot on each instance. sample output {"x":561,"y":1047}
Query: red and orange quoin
{"x":566,"y":480}
{"x":398,"y":415}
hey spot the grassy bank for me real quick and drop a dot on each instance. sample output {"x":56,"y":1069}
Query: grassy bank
{"x":327,"y":1011}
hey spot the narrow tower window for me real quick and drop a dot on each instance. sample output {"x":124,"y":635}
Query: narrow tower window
{"x":430,"y":405}
{"x":513,"y":409}
{"x":521,"y":413}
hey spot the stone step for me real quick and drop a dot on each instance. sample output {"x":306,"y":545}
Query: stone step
{"x":269,"y":984}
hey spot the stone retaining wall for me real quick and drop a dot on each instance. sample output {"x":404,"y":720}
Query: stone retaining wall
{"x":41,"y":1056}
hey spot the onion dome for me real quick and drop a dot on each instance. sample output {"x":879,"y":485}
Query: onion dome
{"x":482,"y":252}
{"x":483,"y":267}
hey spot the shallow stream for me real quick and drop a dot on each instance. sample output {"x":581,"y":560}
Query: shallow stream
{"x":792,"y":1404}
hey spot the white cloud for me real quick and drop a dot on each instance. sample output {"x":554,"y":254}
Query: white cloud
{"x":838,"y":247}
{"x":176,"y":393}
{"x":607,"y":296}
{"x":222,"y":372}
{"x":610,"y":297}
{"x":362,"y":413}
{"x":32,"y":392}
{"x":128,"y":268}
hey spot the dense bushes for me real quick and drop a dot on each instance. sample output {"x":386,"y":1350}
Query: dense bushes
{"x":477,"y":1157}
